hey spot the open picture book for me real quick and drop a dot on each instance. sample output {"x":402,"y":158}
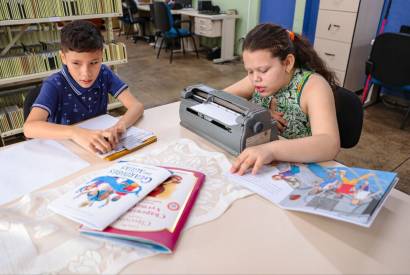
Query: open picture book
{"x":134,"y":138}
{"x":330,"y":189}
{"x":157,"y":221}
{"x":100,"y":201}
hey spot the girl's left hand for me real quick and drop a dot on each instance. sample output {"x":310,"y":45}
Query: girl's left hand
{"x":253,"y":157}
{"x":281,"y":123}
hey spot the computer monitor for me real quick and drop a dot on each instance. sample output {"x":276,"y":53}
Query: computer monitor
{"x":204,"y":5}
{"x":184,"y":3}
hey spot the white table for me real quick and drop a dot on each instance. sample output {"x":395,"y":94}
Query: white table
{"x":254,"y":236}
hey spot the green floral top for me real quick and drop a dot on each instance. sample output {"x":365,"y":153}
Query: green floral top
{"x":288,"y":103}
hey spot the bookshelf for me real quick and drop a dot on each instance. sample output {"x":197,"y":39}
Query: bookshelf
{"x":18,"y":20}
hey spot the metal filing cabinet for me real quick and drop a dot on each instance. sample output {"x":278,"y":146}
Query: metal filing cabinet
{"x":344,"y":31}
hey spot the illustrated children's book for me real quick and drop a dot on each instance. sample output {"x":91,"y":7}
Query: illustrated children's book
{"x":134,"y":139}
{"x":103,"y":199}
{"x":329,"y":189}
{"x":157,"y":221}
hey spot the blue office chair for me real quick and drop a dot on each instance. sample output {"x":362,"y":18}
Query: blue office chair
{"x":169,"y":29}
{"x":130,"y":18}
{"x":388,"y":66}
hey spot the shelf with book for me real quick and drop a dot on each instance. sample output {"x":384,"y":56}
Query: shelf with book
{"x":57,"y":19}
{"x":42,"y":75}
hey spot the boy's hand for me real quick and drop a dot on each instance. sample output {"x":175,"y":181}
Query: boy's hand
{"x":92,"y":140}
{"x":114,"y":133}
{"x":255,"y":156}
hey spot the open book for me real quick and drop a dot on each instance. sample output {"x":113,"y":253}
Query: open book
{"x":329,"y":189}
{"x":100,"y":201}
{"x":132,"y":140}
{"x":157,"y":221}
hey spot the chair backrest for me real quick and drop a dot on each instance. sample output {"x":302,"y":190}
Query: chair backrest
{"x":349,"y":112}
{"x":29,"y":100}
{"x":390,"y":58}
{"x":162,"y":17}
{"x":131,"y":10}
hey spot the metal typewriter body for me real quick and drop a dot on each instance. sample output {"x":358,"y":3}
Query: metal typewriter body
{"x":252,"y":124}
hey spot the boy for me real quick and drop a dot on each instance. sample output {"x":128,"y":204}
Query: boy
{"x":79,"y":92}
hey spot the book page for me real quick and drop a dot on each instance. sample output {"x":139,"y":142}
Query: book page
{"x":23,"y":166}
{"x":100,"y":201}
{"x":264,"y":184}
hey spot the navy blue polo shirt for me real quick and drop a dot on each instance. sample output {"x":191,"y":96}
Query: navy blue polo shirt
{"x":67,"y":102}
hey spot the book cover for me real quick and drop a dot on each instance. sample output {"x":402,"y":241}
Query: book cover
{"x":157,"y":220}
{"x":329,"y":189}
{"x":100,"y":201}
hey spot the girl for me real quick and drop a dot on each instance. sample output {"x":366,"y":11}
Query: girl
{"x":287,"y":76}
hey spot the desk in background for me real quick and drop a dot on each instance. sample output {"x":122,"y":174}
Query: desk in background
{"x":219,"y":25}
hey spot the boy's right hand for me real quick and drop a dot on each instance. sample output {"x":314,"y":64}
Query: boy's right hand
{"x":92,"y":140}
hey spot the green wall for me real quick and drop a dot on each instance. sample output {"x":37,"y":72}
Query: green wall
{"x":247,"y":20}
{"x":299,"y":15}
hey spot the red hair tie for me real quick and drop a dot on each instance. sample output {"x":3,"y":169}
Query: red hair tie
{"x":291,"y":35}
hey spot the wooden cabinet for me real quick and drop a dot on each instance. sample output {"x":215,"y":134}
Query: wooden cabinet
{"x":344,"y":31}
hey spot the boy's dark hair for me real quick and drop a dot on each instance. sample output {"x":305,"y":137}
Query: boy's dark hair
{"x":81,"y":36}
{"x":281,"y":43}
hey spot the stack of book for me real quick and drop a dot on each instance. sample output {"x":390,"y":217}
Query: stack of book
{"x":11,"y":117}
{"x":34,"y":34}
{"x":27,"y":9}
{"x":134,"y":204}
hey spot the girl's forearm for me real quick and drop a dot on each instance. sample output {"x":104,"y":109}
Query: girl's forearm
{"x":316,"y":148}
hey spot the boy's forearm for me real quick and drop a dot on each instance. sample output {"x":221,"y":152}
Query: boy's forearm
{"x":132,"y":115}
{"x":43,"y":129}
{"x":309,"y":149}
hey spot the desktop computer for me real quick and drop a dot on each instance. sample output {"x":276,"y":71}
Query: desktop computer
{"x":186,"y":4}
{"x":206,"y":7}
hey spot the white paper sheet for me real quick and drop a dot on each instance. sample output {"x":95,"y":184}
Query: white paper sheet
{"x":218,"y":112}
{"x":262,"y":184}
{"x":33,"y":164}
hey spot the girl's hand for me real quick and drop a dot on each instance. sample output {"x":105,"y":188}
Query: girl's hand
{"x":92,"y":140}
{"x":255,"y":156}
{"x":278,"y":116}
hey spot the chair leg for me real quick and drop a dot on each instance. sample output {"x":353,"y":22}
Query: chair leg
{"x":193,"y":41}
{"x":160,"y":47}
{"x":183,"y":46}
{"x":128,"y":31}
{"x":172,"y":51}
{"x":405,"y":119}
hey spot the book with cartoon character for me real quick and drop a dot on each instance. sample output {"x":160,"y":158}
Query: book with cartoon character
{"x":100,"y":201}
{"x":329,"y":189}
{"x":157,"y":221}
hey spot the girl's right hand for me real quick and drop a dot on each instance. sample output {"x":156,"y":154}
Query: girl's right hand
{"x":92,"y":140}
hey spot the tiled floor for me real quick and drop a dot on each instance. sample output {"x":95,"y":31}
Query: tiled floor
{"x":155,"y":82}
